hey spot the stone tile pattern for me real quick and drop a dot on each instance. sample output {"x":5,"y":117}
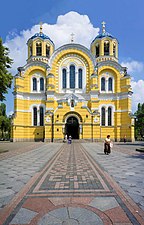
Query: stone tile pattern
{"x":125,"y":165}
{"x":71,"y":171}
{"x":16,"y":171}
{"x":70,"y":216}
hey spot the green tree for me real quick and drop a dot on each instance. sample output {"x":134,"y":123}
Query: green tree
{"x":139,"y":124}
{"x":5,"y":76}
{"x":5,"y":122}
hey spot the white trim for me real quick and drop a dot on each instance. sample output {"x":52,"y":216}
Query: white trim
{"x":30,"y":96}
{"x":72,"y":115}
{"x":124,"y":110}
{"x":106,"y":106}
{"x":107,"y":76}
{"x":38,"y":112}
{"x":37,"y":76}
{"x":79,"y":64}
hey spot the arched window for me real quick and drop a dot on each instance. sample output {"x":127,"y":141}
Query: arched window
{"x":30,"y":50}
{"x":109,"y":116}
{"x":110,"y":84}
{"x":80,"y":78}
{"x":97,"y":50}
{"x":72,"y":103}
{"x":72,"y":76}
{"x":41,"y":116}
{"x":47,"y":51}
{"x":38,"y":49}
{"x":106,"y":48}
{"x":102,"y":84}
{"x":114,"y":50}
{"x":64,"y":78}
{"x":103,"y":116}
{"x":41,"y":84}
{"x":34,"y":84}
{"x":35,"y":116}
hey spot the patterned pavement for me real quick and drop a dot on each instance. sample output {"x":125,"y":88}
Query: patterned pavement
{"x":66,"y":184}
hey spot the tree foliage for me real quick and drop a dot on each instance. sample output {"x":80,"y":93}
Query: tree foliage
{"x":139,"y":124}
{"x":5,"y":75}
{"x":5,"y":123}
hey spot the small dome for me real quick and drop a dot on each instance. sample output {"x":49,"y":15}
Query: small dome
{"x":40,"y":35}
{"x":103,"y":34}
{"x":106,"y":34}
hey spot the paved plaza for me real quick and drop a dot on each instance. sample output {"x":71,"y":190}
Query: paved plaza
{"x":71,"y":184}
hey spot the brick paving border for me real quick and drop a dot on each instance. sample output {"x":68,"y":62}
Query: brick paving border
{"x":29,"y":198}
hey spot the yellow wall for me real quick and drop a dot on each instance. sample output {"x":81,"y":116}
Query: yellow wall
{"x":23,"y":130}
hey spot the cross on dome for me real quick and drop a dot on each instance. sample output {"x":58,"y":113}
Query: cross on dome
{"x":103,"y":27}
{"x":41,"y":27}
{"x":72,"y":37}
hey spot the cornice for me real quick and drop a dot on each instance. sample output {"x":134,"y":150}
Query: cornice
{"x":70,"y":47}
{"x":113,"y":64}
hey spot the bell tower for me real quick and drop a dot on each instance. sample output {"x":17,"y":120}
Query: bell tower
{"x":40,"y":47}
{"x":105,"y":46}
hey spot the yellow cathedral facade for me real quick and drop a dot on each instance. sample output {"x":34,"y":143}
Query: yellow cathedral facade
{"x":72,"y":90}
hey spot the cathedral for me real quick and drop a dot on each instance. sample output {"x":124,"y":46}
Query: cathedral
{"x":72,"y":90}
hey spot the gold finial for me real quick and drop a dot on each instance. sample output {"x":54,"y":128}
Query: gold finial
{"x":103,"y":27}
{"x":41,"y":27}
{"x":72,"y":37}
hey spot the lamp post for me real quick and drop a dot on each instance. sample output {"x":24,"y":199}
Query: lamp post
{"x":52,"y":123}
{"x":95,"y":113}
{"x":52,"y":137}
{"x":92,"y":126}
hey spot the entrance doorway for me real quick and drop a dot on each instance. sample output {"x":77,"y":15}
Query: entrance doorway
{"x":72,"y":127}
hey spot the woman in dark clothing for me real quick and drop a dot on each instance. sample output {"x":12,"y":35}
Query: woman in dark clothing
{"x":107,"y":148}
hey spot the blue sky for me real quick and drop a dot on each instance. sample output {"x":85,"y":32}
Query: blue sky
{"x":124,"y":20}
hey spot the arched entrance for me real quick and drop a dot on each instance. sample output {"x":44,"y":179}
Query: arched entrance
{"x":72,"y":127}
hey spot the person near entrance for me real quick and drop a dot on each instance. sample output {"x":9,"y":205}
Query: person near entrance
{"x":107,"y":145}
{"x":65,"y":138}
{"x":70,"y":140}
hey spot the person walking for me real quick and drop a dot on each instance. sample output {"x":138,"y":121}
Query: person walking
{"x":124,"y":138}
{"x":69,"y":139}
{"x":107,"y":145}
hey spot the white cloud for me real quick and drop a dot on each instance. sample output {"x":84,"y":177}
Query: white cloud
{"x":133,"y":66}
{"x":138,"y":93}
{"x":60,"y":33}
{"x":10,"y":113}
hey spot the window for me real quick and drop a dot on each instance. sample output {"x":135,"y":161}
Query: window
{"x":30,"y":50}
{"x":41,"y":116}
{"x":72,"y":103}
{"x":103,"y":116}
{"x":110,"y":84}
{"x":80,"y":78}
{"x":114,"y":50}
{"x":34,"y":84}
{"x":72,"y":76}
{"x":109,"y":116}
{"x":64,"y":78}
{"x":47,"y":51}
{"x":97,"y":50}
{"x":41,"y":84}
{"x":102,"y":84}
{"x":35,"y":116}
{"x":38,"y":49}
{"x":106,"y":48}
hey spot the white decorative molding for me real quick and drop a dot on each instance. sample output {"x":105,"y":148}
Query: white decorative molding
{"x":106,"y":106}
{"x":107,"y":75}
{"x":65,"y":63}
{"x":73,"y":46}
{"x":30,"y":96}
{"x":120,"y":111}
